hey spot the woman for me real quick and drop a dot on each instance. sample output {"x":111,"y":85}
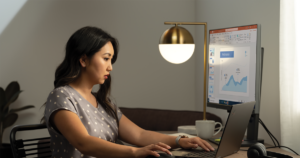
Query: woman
{"x":84,"y":124}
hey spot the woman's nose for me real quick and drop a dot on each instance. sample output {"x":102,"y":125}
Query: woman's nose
{"x":110,"y":68}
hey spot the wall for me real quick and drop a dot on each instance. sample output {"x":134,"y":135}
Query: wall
{"x":221,"y":14}
{"x":32,"y":41}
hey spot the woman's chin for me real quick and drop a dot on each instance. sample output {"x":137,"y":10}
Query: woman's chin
{"x":102,"y":81}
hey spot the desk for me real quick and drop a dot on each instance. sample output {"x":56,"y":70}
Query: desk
{"x":242,"y":154}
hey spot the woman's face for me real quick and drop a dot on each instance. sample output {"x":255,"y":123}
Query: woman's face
{"x":99,"y":66}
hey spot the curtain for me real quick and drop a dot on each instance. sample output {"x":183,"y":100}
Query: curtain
{"x":289,"y":73}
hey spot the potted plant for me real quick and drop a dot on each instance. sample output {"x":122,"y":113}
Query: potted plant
{"x":8,"y":116}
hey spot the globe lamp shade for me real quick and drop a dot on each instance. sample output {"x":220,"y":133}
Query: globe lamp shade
{"x":176,"y":45}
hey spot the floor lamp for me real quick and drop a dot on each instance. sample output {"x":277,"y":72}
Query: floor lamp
{"x":176,"y":45}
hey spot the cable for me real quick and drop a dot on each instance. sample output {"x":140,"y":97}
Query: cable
{"x":270,"y":134}
{"x":284,"y":147}
{"x":272,"y":138}
{"x":277,"y":147}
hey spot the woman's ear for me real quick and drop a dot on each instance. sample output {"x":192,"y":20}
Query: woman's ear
{"x":83,"y":60}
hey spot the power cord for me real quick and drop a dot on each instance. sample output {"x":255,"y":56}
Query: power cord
{"x":273,"y":138}
{"x":270,"y":134}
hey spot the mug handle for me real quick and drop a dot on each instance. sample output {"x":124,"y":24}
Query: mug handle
{"x":219,"y":128}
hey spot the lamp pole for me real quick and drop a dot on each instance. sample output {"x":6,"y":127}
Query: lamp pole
{"x":204,"y":55}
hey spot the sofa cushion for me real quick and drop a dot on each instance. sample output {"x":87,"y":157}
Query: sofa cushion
{"x":165,"y":120}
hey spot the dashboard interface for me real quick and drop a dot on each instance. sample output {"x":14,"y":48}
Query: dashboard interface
{"x":232,"y":65}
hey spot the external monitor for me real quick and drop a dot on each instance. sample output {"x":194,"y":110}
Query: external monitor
{"x":232,"y":74}
{"x":235,"y":68}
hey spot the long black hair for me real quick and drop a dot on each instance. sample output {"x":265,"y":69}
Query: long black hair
{"x":87,"y":41}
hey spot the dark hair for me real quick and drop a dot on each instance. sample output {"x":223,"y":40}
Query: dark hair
{"x":87,"y":41}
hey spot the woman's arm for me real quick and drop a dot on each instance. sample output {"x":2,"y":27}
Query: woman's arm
{"x":131,"y":133}
{"x":74,"y":131}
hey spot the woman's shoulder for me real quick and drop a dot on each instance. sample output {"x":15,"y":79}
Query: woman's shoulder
{"x":63,"y":91}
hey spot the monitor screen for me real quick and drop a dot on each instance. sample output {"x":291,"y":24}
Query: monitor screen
{"x":232,"y":65}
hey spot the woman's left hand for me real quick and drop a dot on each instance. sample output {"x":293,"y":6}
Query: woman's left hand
{"x":188,"y":143}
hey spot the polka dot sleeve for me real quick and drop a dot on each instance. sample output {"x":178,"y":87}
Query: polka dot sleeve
{"x":58,"y":99}
{"x":119,"y":112}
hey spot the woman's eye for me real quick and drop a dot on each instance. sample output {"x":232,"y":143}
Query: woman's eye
{"x":106,"y":59}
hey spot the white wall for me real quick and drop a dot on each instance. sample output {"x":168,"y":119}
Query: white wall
{"x":32,"y":45}
{"x":221,"y":14}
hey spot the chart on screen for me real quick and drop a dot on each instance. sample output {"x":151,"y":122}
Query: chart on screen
{"x":234,"y":71}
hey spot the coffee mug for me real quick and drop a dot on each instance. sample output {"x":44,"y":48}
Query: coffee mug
{"x":206,"y":128}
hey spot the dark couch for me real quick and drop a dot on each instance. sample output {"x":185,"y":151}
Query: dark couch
{"x":164,"y":120}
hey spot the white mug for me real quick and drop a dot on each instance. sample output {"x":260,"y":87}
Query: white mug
{"x":206,"y":128}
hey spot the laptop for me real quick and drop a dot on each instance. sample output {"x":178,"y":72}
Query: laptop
{"x":232,"y":135}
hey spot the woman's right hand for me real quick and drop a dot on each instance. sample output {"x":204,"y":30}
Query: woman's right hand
{"x":151,"y":150}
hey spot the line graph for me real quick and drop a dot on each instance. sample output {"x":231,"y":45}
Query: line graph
{"x":235,"y":86}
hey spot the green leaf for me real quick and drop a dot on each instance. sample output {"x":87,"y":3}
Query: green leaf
{"x":12,"y":99}
{"x":10,"y":120}
{"x":20,"y":109}
{"x":2,"y":98}
{"x":12,"y":89}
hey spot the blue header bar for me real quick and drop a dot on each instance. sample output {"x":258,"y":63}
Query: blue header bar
{"x":227,"y":54}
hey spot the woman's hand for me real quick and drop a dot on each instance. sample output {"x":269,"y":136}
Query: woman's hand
{"x":151,"y":150}
{"x":188,"y":143}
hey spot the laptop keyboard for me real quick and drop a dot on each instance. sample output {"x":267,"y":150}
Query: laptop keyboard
{"x":200,"y":154}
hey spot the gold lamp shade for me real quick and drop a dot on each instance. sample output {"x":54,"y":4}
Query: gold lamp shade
{"x":176,"y":35}
{"x":176,"y":45}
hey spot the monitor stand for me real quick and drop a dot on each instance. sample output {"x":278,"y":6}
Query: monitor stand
{"x":252,"y":132}
{"x":248,"y":143}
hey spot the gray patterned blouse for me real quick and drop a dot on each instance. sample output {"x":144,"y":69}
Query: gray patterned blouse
{"x":96,"y":121}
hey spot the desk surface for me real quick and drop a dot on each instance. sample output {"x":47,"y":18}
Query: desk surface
{"x":243,"y":154}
